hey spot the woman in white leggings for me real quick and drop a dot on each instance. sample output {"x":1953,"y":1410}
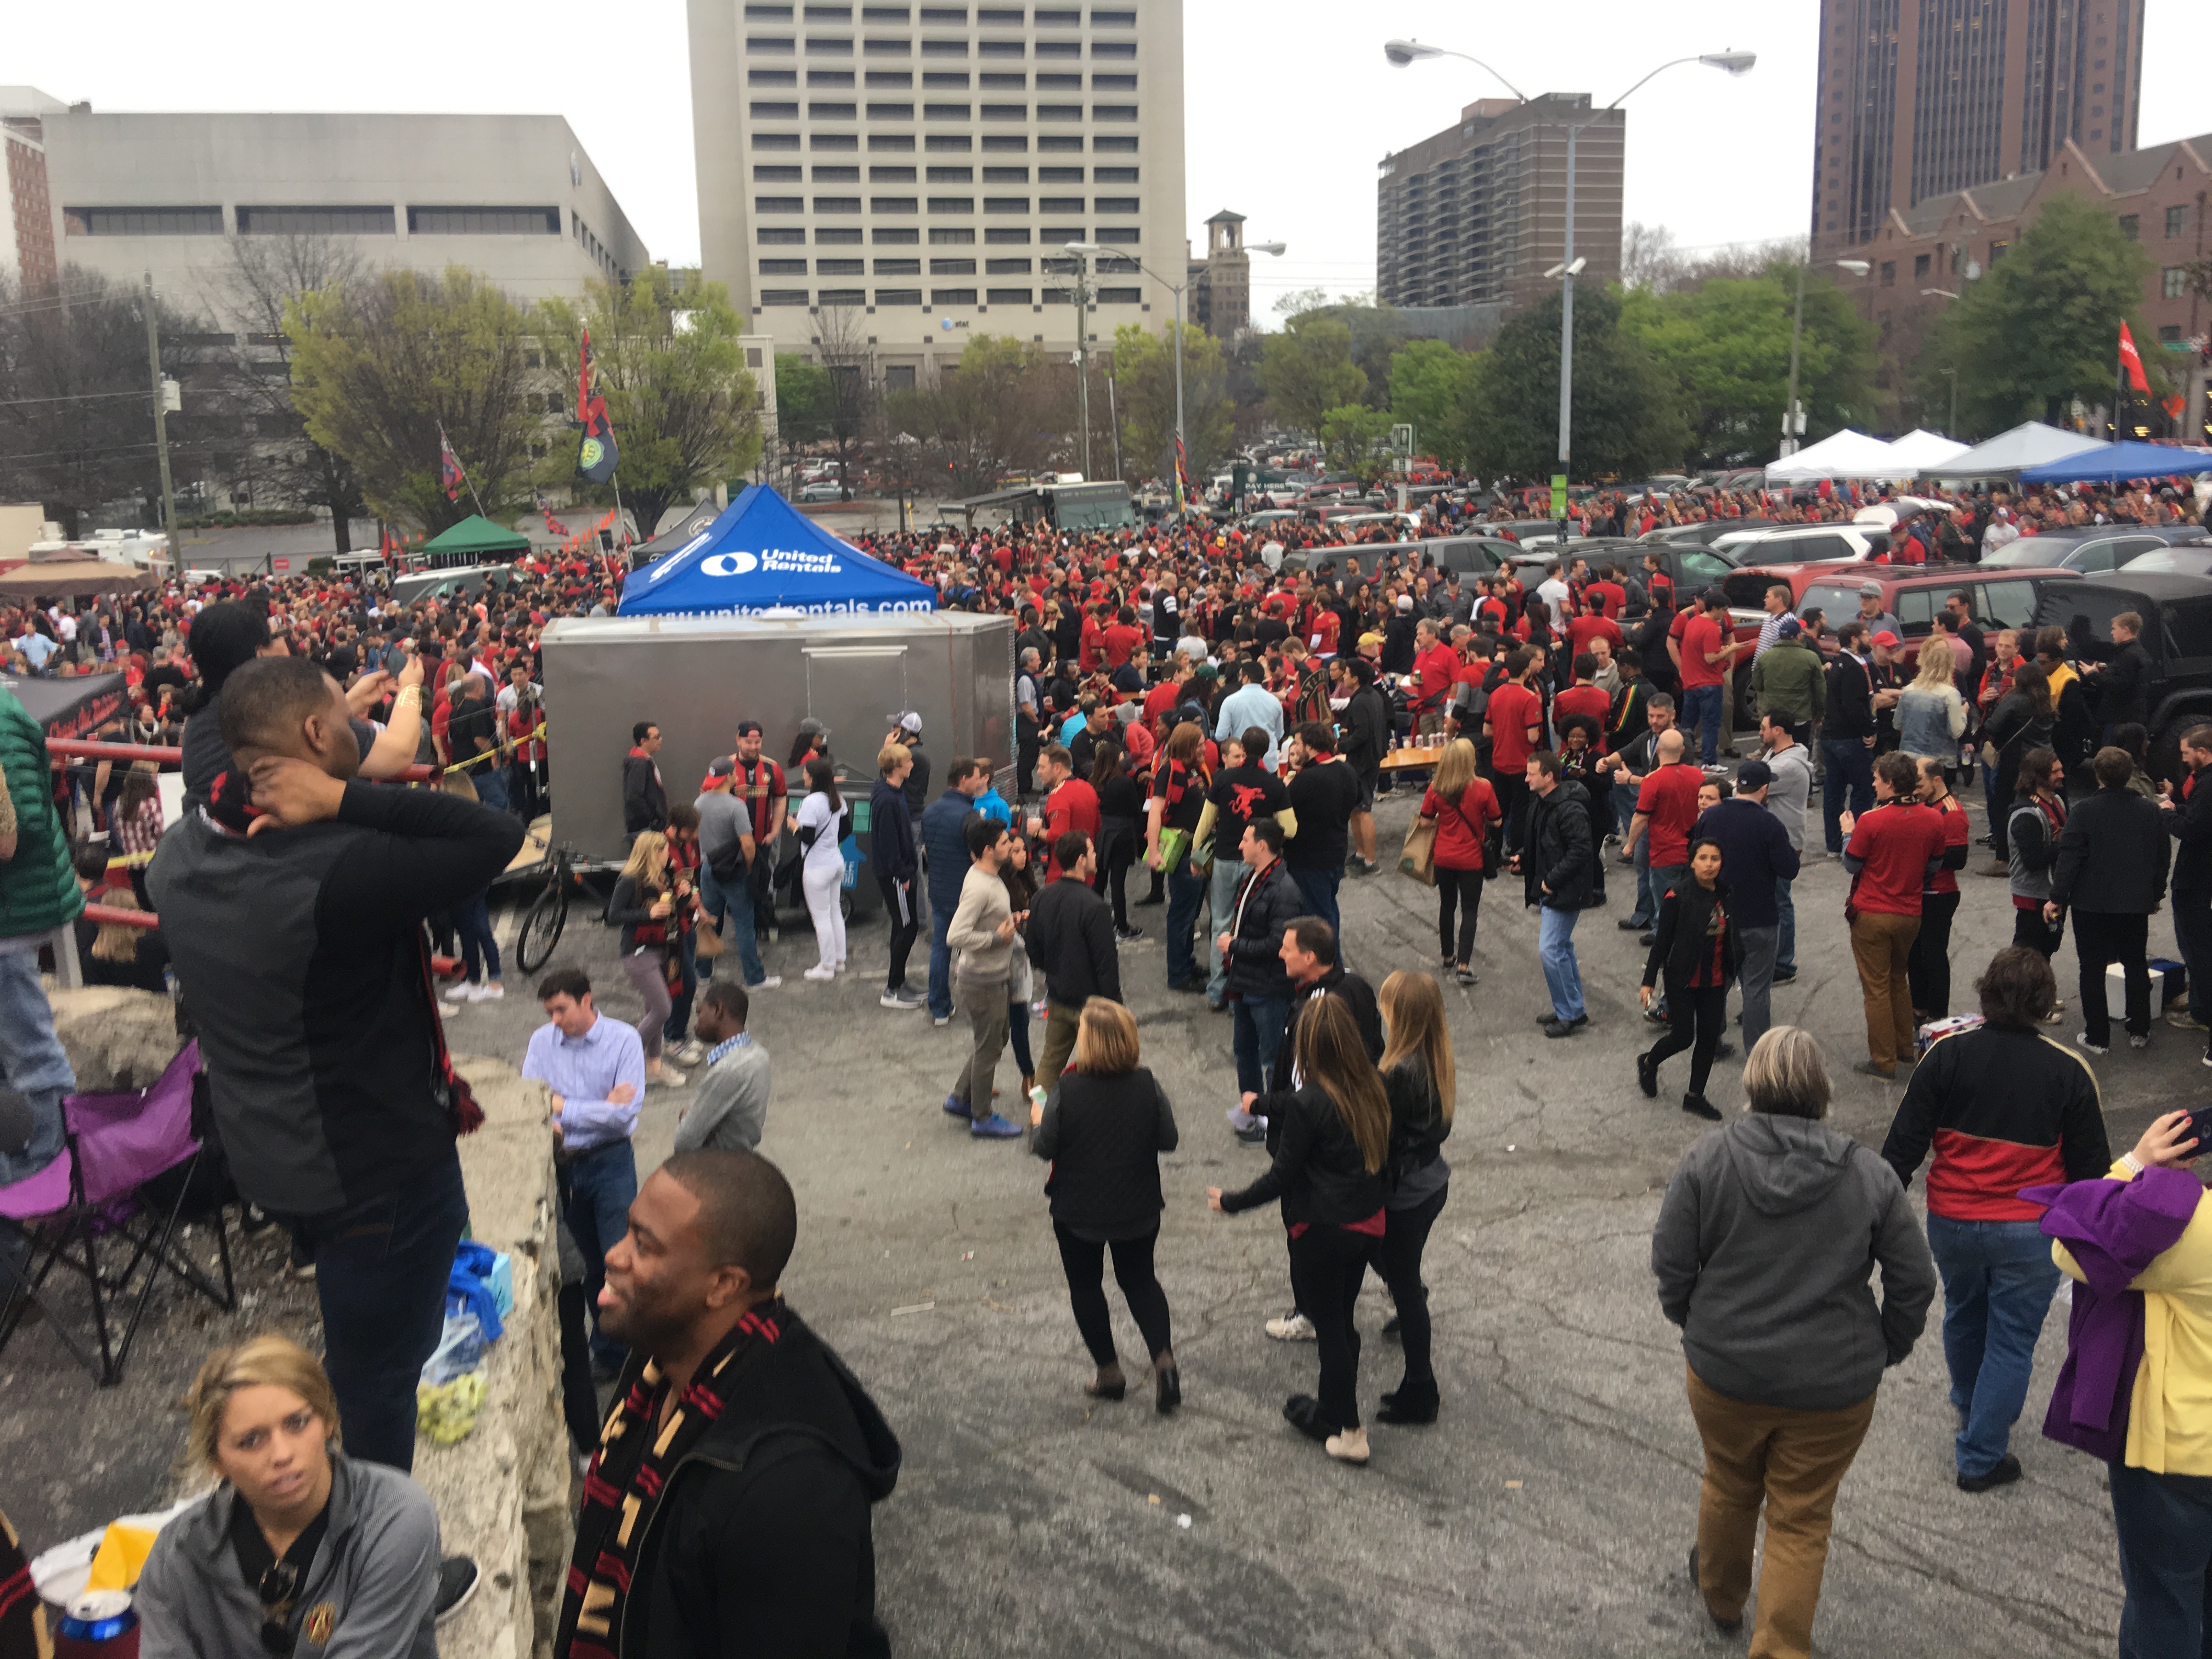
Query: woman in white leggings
{"x":819,"y":825}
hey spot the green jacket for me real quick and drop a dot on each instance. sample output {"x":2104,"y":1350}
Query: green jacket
{"x":1790,"y":677}
{"x":38,"y":886}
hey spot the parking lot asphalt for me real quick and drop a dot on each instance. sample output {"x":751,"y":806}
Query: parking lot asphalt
{"x":1548,"y":1512}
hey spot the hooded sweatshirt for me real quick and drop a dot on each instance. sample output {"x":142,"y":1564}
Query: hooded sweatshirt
{"x":1763,"y":1247}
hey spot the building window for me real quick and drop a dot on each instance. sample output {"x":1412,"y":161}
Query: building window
{"x":783,"y":296}
{"x":833,"y":141}
{"x":952,"y":296}
{"x":1061,"y":143}
{"x":838,"y":236}
{"x":779,"y":205}
{"x":892,"y":204}
{"x":1014,"y":82}
{"x":1057,"y":20}
{"x":1998,"y":250}
{"x":816,"y":77}
{"x":767,"y":46}
{"x":784,"y":267}
{"x":1059,"y":175}
{"x":1011,"y":175}
{"x":890,"y":77}
{"x":1119,"y":296}
{"x":956,"y":79}
{"x":771,"y":77}
{"x":1921,"y":264}
{"x":1115,"y":175}
{"x":945,"y":112}
{"x":1000,"y":48}
{"x":2174,"y":281}
{"x":1058,"y":296}
{"x":898,"y":296}
{"x":1011,"y":296}
{"x":1889,"y":273}
{"x":1113,"y":48}
{"x":1113,"y":112}
{"x":776,"y":175}
{"x":1117,"y":234}
{"x":898,"y":267}
{"x":987,"y":14}
{"x":1120,"y":144}
{"x":885,"y":15}
{"x":894,"y":236}
{"x":953,"y":267}
{"x":762,"y":112}
{"x":844,"y":296}
{"x":830,"y":112}
{"x":2169,"y":334}
{"x":775,"y":141}
{"x":828,"y":14}
{"x":891,"y":141}
{"x":1059,"y":82}
{"x":890,"y":175}
{"x":898,"y":377}
{"x":2175,"y":217}
{"x":952,"y":204}
{"x":945,"y":13}
{"x":2131,"y":227}
{"x":1007,"y":236}
{"x":841,"y":267}
{"x":1005,"y":204}
{"x":837,"y":204}
{"x":890,"y":111}
{"x":1059,"y":48}
{"x":1115,"y":204}
{"x":886,"y":48}
{"x":1005,"y":112}
{"x":943,"y":48}
{"x":1006,"y":267}
{"x":1058,"y":204}
{"x":1110,"y":20}
{"x":1051,"y":234}
{"x":1060,"y":112}
{"x":952,"y":175}
{"x":778,"y":236}
{"x":143,"y":222}
{"x":951,"y":235}
{"x":317,"y":221}
{"x":484,"y":221}
{"x":829,"y":48}
{"x":768,"y":13}
{"x":1113,"y":83}
{"x":1007,"y":144}
{"x":836,"y":175}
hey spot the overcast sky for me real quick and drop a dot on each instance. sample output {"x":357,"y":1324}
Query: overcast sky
{"x":1289,"y":105}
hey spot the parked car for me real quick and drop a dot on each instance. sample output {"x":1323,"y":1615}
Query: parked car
{"x":2088,"y":551}
{"x":2177,"y":634}
{"x":822,"y":492}
{"x":1704,"y":534}
{"x":1471,"y":555}
{"x":1804,"y":543}
{"x":1914,"y":593}
{"x":2189,"y":558}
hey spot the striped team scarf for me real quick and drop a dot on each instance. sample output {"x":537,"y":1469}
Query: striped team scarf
{"x":628,"y":1473}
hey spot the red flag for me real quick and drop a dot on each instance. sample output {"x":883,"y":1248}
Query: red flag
{"x":449,"y":468}
{"x":2132,"y":360}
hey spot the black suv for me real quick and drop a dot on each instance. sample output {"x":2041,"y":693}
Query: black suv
{"x":2177,"y":633}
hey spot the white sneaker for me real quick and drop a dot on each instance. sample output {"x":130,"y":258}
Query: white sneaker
{"x":461,"y":991}
{"x":821,"y":970}
{"x":767,"y":984}
{"x":1292,"y":1327}
{"x":490,"y":991}
{"x":692,"y":1053}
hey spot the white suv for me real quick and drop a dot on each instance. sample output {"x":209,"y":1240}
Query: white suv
{"x":1803,"y":543}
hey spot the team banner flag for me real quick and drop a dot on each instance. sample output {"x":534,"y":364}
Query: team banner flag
{"x":450,"y":474}
{"x":2132,"y":360}
{"x":596,"y":454}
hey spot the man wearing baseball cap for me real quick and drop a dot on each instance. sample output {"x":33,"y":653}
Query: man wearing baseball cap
{"x":725,"y":855}
{"x":1871,"y":612}
{"x":1755,"y":858}
{"x":905,"y":732}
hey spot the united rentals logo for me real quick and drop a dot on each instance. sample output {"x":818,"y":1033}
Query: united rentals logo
{"x":787,"y":561}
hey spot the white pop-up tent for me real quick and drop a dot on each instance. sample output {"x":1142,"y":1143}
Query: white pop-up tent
{"x":2031,"y":443}
{"x":1921,"y":451}
{"x":1845,"y":454}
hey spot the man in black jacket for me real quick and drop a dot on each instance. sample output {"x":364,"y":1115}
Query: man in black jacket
{"x":645,"y":802}
{"x":1251,"y":941}
{"x":1366,"y":739}
{"x":2110,"y":871}
{"x":1847,"y":734}
{"x":2188,"y":809}
{"x":726,"y":1509}
{"x":2124,"y":682}
{"x":300,"y":949}
{"x":1558,"y":867}
{"x":1071,"y":942}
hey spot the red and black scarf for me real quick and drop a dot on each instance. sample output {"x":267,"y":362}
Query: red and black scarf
{"x":630,"y":1472}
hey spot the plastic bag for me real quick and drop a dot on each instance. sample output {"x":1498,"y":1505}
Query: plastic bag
{"x":445,"y":1411}
{"x":460,"y":1349}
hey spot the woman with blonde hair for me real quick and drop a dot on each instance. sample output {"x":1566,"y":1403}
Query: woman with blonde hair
{"x":1463,"y":807}
{"x":1103,"y":1129}
{"x":1327,"y":1174}
{"x":643,"y":906}
{"x":298,"y":1543}
{"x":1420,"y":1081}
{"x":1931,"y":716}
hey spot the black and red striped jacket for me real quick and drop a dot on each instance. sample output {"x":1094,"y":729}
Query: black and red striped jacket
{"x":2004,"y":1108}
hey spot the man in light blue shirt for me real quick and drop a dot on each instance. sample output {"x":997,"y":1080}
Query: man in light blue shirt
{"x":1252,"y":704}
{"x":594,"y":1068}
{"x":36,"y":648}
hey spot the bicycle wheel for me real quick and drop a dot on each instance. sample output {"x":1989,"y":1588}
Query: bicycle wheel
{"x":541,"y":928}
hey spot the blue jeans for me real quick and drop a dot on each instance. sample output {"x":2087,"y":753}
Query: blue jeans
{"x":601,"y":1184}
{"x":1555,"y":948}
{"x":679,"y":999}
{"x":1184,"y":891}
{"x":1623,"y":798}
{"x":491,"y":787}
{"x":1647,"y":904}
{"x":1320,"y":888}
{"x":940,"y":958}
{"x":1757,"y":982}
{"x":1701,"y":708}
{"x":1848,"y":765}
{"x":33,"y":1063}
{"x":1221,"y":902}
{"x":1785,"y":951}
{"x":1998,"y":1281}
{"x":381,"y":1272}
{"x":733,"y":914}
{"x":2165,"y":1527}
{"x":1256,"y":1037}
{"x":1659,"y":880}
{"x":479,"y":947}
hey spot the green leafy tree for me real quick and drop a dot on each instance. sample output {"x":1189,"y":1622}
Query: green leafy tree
{"x":802,"y":402}
{"x":1433,"y":388}
{"x":1145,"y":387}
{"x":2041,"y":327}
{"x":1626,"y":422}
{"x":1724,"y":343}
{"x":686,"y":413}
{"x":1002,"y":410}
{"x":1307,"y":370}
{"x":1356,"y":438}
{"x":379,"y":364}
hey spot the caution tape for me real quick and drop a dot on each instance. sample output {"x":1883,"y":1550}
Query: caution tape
{"x":536,"y":732}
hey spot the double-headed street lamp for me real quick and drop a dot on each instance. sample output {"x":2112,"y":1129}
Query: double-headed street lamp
{"x":1403,"y":52}
{"x":1793,"y":419}
{"x":1085,"y":253}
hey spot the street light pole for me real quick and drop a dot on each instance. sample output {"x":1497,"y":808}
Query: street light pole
{"x":1793,"y":424}
{"x":161,"y":429}
{"x":1083,"y":355}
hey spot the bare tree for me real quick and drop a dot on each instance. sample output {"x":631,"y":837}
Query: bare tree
{"x":1651,"y":259}
{"x":843,"y":347}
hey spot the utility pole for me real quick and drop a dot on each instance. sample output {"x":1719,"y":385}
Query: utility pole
{"x":1789,"y":427}
{"x":1083,"y":353}
{"x":161,"y":429}
{"x":1566,"y":340}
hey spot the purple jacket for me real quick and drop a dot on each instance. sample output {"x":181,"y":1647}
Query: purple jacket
{"x":2114,"y":1229}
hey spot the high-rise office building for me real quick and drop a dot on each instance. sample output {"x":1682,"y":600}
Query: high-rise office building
{"x":1477,"y":213}
{"x":882,"y":182}
{"x":1919,"y":98}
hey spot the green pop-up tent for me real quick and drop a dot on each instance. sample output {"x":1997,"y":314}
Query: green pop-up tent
{"x":477,"y":538}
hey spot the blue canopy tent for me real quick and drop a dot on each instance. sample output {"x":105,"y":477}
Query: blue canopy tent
{"x":2116,"y":463}
{"x":761,"y":556}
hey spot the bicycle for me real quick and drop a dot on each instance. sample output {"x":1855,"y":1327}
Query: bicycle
{"x":548,"y":913}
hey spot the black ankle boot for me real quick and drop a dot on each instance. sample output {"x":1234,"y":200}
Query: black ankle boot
{"x":1414,"y":1402}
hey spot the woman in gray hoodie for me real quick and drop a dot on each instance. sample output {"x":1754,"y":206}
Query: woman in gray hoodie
{"x":1765,"y":1242}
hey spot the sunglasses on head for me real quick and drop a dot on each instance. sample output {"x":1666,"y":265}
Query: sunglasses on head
{"x":280,"y":1588}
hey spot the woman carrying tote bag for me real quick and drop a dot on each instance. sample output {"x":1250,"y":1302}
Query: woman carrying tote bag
{"x":1463,"y":807}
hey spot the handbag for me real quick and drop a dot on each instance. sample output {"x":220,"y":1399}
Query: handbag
{"x":1174,"y":844}
{"x":706,"y":942}
{"x":1419,"y":858}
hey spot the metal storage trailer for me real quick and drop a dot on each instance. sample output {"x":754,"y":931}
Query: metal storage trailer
{"x":697,"y":676}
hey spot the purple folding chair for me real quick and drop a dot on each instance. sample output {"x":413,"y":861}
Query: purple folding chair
{"x":114,"y":1145}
